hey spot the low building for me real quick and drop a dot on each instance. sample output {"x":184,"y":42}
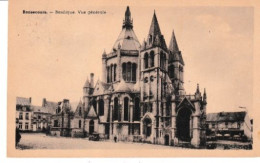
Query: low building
{"x":229,"y":125}
{"x":30,"y":118}
{"x":23,"y":113}
{"x":41,"y":118}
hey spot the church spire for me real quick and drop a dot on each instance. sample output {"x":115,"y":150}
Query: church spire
{"x":155,"y":37}
{"x":128,"y":22}
{"x":173,"y":47}
{"x":154,"y":28}
{"x":205,"y":95}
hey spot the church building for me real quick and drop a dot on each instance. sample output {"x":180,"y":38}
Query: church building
{"x":141,"y":95}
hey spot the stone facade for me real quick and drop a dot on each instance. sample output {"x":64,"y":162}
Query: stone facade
{"x":141,"y":95}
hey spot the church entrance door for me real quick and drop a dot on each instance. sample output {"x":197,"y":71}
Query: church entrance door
{"x":183,"y":124}
{"x":166,"y":139}
{"x":147,"y":127}
{"x":91,"y":127}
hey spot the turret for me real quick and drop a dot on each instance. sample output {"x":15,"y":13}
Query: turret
{"x":197,"y":93}
{"x":86,"y":93}
{"x":205,"y":96}
{"x":128,"y":22}
{"x":92,"y":80}
{"x":104,"y":63}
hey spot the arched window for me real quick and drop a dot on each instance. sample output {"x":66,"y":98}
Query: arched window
{"x":162,"y":60}
{"x":152,"y":59}
{"x":147,"y":127}
{"x":115,"y":72}
{"x":128,"y":71}
{"x":101,"y":107}
{"x":116,"y":109}
{"x":126,"y":102}
{"x":134,"y":72}
{"x":136,"y":110}
{"x":108,"y":74}
{"x":124,"y":71}
{"x":146,"y":60}
{"x":79,"y":123}
{"x":111,"y":73}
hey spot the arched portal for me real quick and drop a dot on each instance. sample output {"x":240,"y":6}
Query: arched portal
{"x":91,"y":127}
{"x":183,"y":121}
{"x":147,"y":127}
{"x":166,"y":139}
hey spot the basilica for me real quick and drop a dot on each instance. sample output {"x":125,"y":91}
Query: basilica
{"x":141,"y":95}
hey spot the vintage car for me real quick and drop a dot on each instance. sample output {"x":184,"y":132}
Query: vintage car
{"x":94,"y":137}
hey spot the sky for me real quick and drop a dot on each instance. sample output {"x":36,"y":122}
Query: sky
{"x":55,"y":54}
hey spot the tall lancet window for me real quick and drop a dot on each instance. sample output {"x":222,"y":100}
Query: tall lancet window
{"x":128,"y":71}
{"x":152,"y":59}
{"x":124,"y":71}
{"x":126,"y":110}
{"x":111,"y":73}
{"x":136,"y":110}
{"x":101,"y":107}
{"x":114,"y":72}
{"x":162,"y":60}
{"x":116,"y":109}
{"x":146,"y":60}
{"x":133,"y":72}
{"x":108,"y":74}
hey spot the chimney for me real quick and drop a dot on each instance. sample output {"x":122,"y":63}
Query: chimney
{"x":30,"y":100}
{"x":43,"y":102}
{"x":92,"y":80}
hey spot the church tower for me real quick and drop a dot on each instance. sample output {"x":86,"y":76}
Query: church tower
{"x":176,"y":66}
{"x":154,"y":69}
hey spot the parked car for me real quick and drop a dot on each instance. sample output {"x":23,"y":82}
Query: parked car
{"x":94,"y":137}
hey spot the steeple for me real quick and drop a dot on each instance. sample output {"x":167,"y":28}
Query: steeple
{"x":205,"y":95}
{"x":154,"y":28}
{"x":198,"y":89}
{"x":155,"y":37}
{"x":128,"y":22}
{"x":173,"y":47}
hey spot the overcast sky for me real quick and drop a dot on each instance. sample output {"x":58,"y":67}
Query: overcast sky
{"x":56,"y":53}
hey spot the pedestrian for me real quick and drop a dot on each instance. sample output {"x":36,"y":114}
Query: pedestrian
{"x":115,"y":139}
{"x":17,"y":136}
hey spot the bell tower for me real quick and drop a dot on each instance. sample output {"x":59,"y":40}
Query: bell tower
{"x":176,"y":66}
{"x":154,"y":68}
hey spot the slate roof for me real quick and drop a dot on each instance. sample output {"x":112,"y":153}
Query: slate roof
{"x":39,"y":109}
{"x":80,"y":106}
{"x":124,"y":87}
{"x":101,"y":88}
{"x":127,"y":40}
{"x":23,"y":101}
{"x":51,"y":106}
{"x":226,"y":116}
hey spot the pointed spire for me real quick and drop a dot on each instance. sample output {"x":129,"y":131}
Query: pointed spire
{"x":128,"y":22}
{"x":204,"y":95}
{"x":173,"y":47}
{"x":87,"y":83}
{"x":104,"y":55}
{"x":154,"y":28}
{"x":198,"y":89}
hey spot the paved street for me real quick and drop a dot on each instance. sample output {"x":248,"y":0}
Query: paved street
{"x":41,"y":141}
